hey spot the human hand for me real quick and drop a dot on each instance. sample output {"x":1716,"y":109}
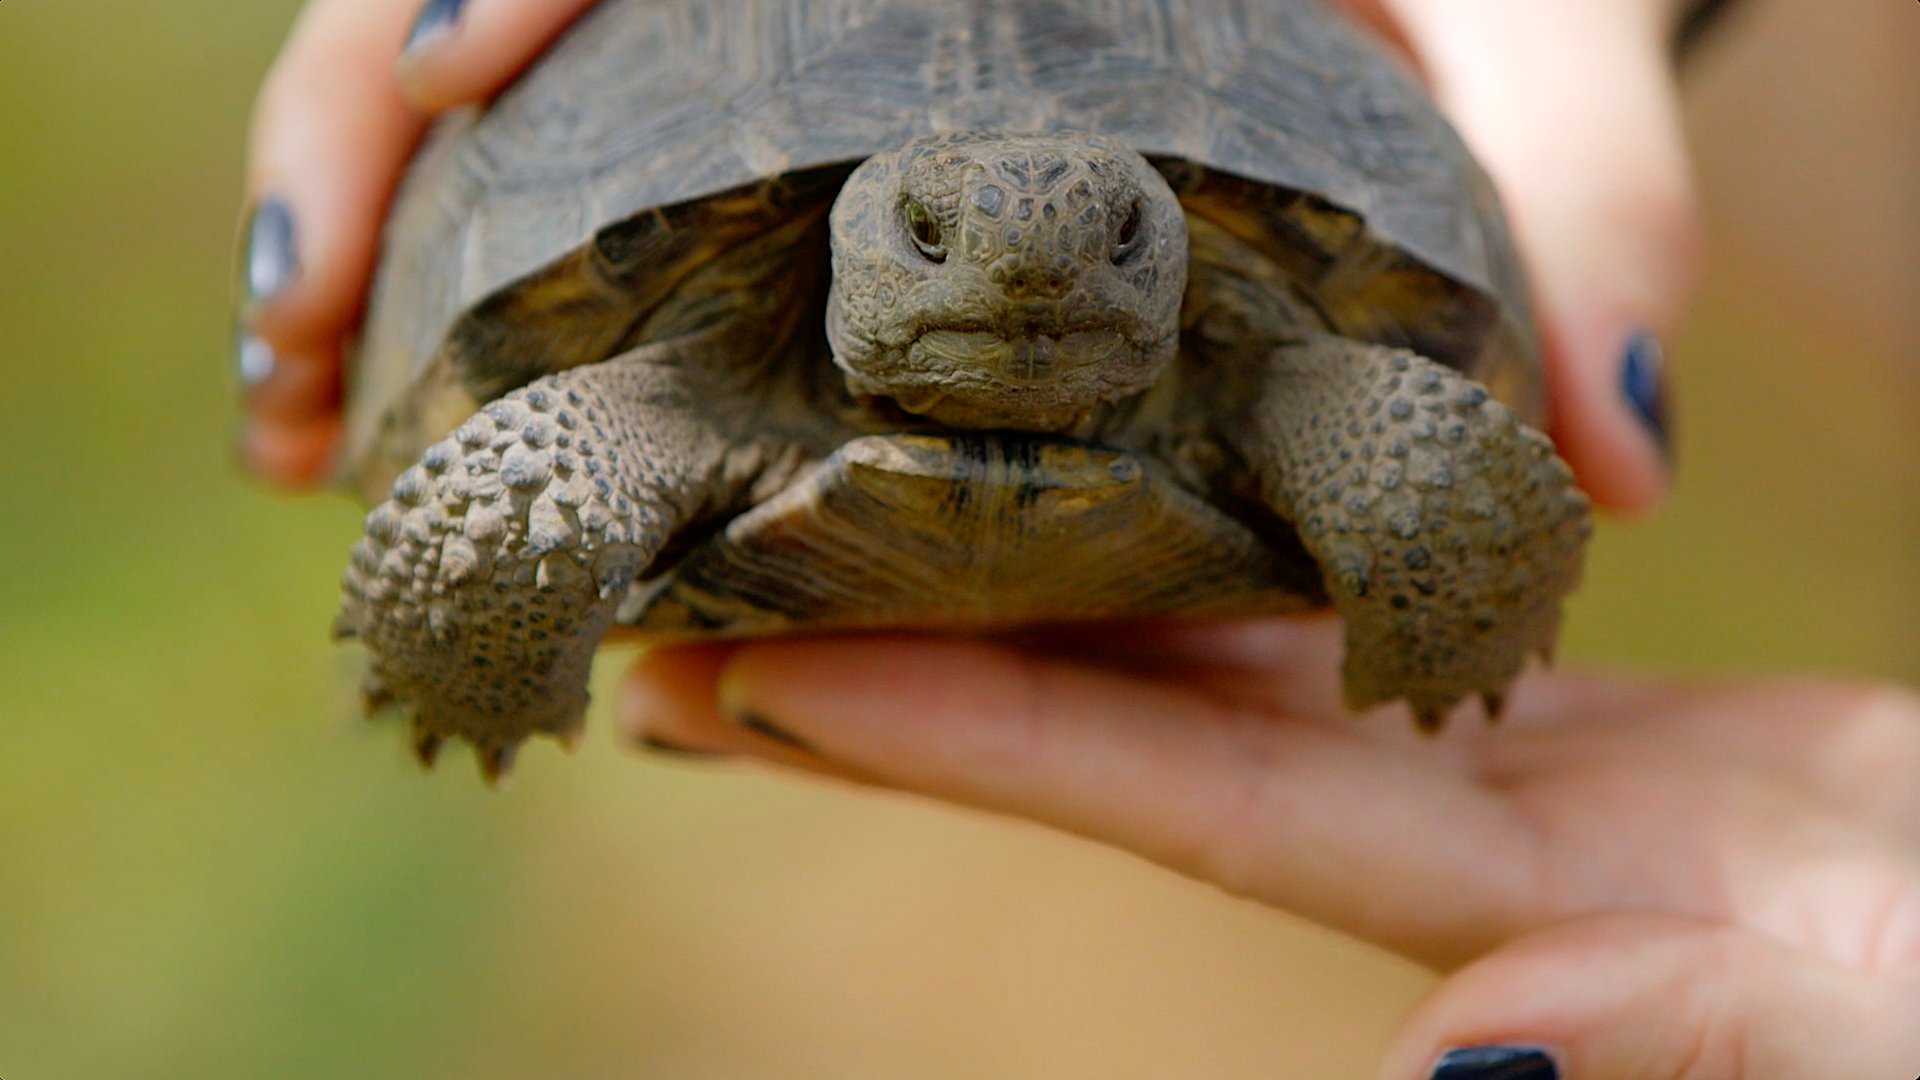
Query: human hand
{"x":337,"y":119}
{"x":1571,"y":106}
{"x":1640,"y":879}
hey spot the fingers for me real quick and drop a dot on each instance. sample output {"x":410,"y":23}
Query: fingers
{"x":292,"y":399}
{"x":465,"y":50}
{"x":1307,"y":816}
{"x":1289,"y":665}
{"x":337,"y":119}
{"x":1573,"y":110}
{"x":667,"y":705}
{"x":1658,"y":998}
{"x":1673,"y":799}
{"x":1852,"y":750}
{"x":330,"y":134}
{"x":291,"y":455}
{"x":1292,"y":666}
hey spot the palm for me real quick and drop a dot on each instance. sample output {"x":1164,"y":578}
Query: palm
{"x":1593,"y":794}
{"x":1764,"y":833}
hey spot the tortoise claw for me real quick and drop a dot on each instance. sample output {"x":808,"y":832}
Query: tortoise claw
{"x":374,"y":697}
{"x":496,"y":762}
{"x":1495,"y":704}
{"x":426,"y":745}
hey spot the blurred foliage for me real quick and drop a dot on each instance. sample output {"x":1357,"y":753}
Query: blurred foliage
{"x":207,"y":869}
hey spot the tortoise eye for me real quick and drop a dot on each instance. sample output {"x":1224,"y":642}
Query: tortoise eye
{"x":924,"y":230}
{"x":1127,"y":240}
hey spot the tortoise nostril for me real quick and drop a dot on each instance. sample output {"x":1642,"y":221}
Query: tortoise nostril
{"x":1127,"y":240}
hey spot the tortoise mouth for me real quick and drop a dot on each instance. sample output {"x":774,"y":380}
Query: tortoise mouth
{"x":1019,"y":359}
{"x":1048,"y":378}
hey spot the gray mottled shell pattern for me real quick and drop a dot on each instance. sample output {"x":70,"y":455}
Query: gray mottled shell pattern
{"x":647,"y":103}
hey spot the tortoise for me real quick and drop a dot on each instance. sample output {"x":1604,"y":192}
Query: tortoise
{"x":737,"y":318}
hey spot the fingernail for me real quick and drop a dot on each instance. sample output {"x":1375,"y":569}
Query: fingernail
{"x":661,"y":746}
{"x":256,"y":361}
{"x":437,"y":17}
{"x":760,"y":725}
{"x":272,"y":259}
{"x":1495,"y":1063}
{"x":1642,"y":379}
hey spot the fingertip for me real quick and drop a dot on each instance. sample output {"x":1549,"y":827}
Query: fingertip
{"x":860,"y":684}
{"x":1518,"y":1007}
{"x":291,"y":427}
{"x":1655,"y":994}
{"x":766,"y":687}
{"x":1611,"y":418}
{"x":330,"y":135}
{"x":268,"y":262}
{"x":947,"y":716}
{"x":1615,"y":260}
{"x":668,"y":692}
{"x":1592,"y":166}
{"x":336,"y":210}
{"x":669,"y":703}
{"x":461,"y":52}
{"x":281,"y":296}
{"x":293,"y":455}
{"x":1496,"y":1062}
{"x":287,"y":388}
{"x":433,"y":83}
{"x":435,"y":21}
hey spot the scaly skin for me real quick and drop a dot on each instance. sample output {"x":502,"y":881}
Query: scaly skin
{"x":483,"y":585}
{"x":1006,"y":281}
{"x":1446,"y":530}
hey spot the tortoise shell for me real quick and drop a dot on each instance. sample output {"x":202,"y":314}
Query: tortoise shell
{"x":654,"y":117}
{"x":600,"y":376}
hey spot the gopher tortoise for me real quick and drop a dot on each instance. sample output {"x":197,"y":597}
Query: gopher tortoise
{"x":737,"y":318}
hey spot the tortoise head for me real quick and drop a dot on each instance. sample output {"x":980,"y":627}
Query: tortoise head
{"x":1006,"y":281}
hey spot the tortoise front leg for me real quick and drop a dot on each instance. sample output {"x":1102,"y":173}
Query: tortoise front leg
{"x":1447,"y":531}
{"x":483,"y":585}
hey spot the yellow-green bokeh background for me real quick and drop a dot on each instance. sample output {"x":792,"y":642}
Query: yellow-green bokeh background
{"x":208,"y":870}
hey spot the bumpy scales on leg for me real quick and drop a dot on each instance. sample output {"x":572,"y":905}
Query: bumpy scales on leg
{"x":483,"y":585}
{"x":1447,"y":530}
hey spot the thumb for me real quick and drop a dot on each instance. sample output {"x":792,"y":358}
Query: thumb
{"x":1653,"y":997}
{"x":1573,"y":109}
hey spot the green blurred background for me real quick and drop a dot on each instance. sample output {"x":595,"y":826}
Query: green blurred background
{"x":208,"y":869}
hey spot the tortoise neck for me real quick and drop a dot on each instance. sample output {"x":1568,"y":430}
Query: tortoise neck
{"x":1239,"y":294}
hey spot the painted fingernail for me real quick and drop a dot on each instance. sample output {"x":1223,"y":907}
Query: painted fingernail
{"x":1642,"y":379}
{"x":272,"y":257}
{"x":665,"y":748}
{"x":437,"y":17}
{"x":1495,"y":1063}
{"x":256,"y":361}
{"x":760,"y":725}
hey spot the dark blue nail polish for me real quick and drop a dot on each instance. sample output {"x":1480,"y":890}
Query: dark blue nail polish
{"x":256,"y":361}
{"x":760,"y":725}
{"x":437,"y":16}
{"x":1641,"y":379}
{"x":1495,"y":1063}
{"x":272,"y":258}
